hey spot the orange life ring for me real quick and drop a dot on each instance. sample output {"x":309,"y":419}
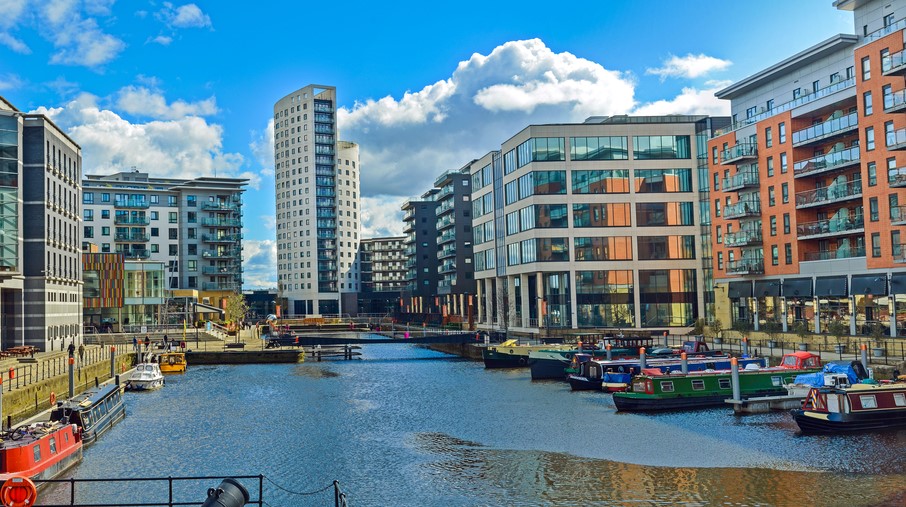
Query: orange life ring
{"x":53,"y":399}
{"x":18,"y":492}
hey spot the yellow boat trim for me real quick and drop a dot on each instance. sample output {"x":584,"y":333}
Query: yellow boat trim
{"x":816,"y":415}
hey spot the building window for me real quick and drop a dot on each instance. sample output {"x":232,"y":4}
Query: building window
{"x":105,"y":231}
{"x":775,"y":255}
{"x":174,"y":233}
{"x":876,"y":244}
{"x":597,"y":148}
{"x":783,"y":166}
{"x":768,"y":136}
{"x":869,"y":138}
{"x":716,"y":181}
{"x":192,"y":217}
{"x":717,"y":207}
{"x":191,"y":233}
{"x":193,"y":282}
{"x":895,"y":244}
{"x":155,"y":232}
{"x":88,"y":215}
{"x":891,"y":170}
{"x":770,"y":166}
{"x":786,"y":223}
{"x":872,"y":174}
{"x":893,"y":203}
{"x":773,"y":226}
{"x":784,"y":193}
{"x":873,"y":209}
{"x":750,"y":112}
{"x":155,"y":199}
{"x":714,"y":154}
{"x":191,"y":201}
{"x":866,"y":103}
{"x":88,"y":232}
{"x":172,"y":250}
{"x":771,"y":199}
{"x":173,"y":217}
{"x":888,"y":20}
{"x":866,"y":69}
{"x":191,"y":265}
{"x":661,"y":147}
{"x":105,"y":197}
{"x":816,"y":85}
{"x":781,"y":131}
{"x":720,"y":260}
{"x":105,"y":213}
{"x":88,"y":198}
{"x":788,"y":253}
{"x":171,"y":200}
{"x":154,"y":215}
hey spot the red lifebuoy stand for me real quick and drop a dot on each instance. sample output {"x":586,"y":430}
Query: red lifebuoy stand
{"x":18,"y":492}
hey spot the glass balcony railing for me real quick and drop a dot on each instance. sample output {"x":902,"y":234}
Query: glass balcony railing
{"x":219,"y":254}
{"x":838,"y":253}
{"x":746,"y":267}
{"x":128,"y":220}
{"x":447,"y":236}
{"x":445,"y":222}
{"x":226,"y":238}
{"x":221,"y":270}
{"x":131,"y":203}
{"x":831,"y":227}
{"x":137,"y":254}
{"x":135,"y":237}
{"x":898,"y":215}
{"x":883,"y":32}
{"x":741,"y":209}
{"x":443,"y":208}
{"x":827,"y":162}
{"x":219,"y":206}
{"x":742,"y":238}
{"x":447,"y":267}
{"x":899,"y":253}
{"x":833,"y":193}
{"x":739,"y":152}
{"x":827,"y":129}
{"x":894,"y":63}
{"x":745,"y":179}
{"x":804,"y":99}
{"x":895,"y":102}
{"x":896,"y":140}
{"x":221,"y":222}
{"x":218,"y":286}
{"x":446,"y":251}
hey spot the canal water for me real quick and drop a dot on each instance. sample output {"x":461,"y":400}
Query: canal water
{"x":407,"y":426}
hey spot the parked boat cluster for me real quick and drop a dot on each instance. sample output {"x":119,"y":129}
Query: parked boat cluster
{"x":831,"y":398}
{"x":45,"y":450}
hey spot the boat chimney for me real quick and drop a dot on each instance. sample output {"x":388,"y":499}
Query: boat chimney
{"x":609,"y":352}
{"x":864,"y":348}
{"x":685,"y":363}
{"x":642,"y":358}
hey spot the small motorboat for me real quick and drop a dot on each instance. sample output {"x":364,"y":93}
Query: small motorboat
{"x":172,"y":362}
{"x":147,"y":375}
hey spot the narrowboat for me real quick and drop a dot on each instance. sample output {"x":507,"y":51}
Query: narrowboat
{"x":552,"y":363}
{"x":710,"y":388}
{"x":39,"y":451}
{"x":172,"y":362}
{"x":865,"y":406}
{"x":592,"y":373}
{"x":93,"y":411}
{"x":510,"y":355}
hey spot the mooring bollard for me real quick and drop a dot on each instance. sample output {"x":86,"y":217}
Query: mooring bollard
{"x":71,"y":377}
{"x":745,"y":346}
{"x":864,"y":348}
{"x":642,"y":358}
{"x":665,"y":339}
{"x":112,"y":361}
{"x":684,"y":363}
{"x":609,"y":352}
{"x":734,"y":378}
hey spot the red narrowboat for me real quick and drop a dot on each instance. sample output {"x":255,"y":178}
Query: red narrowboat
{"x":39,"y":451}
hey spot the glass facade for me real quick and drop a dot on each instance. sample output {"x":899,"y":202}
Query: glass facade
{"x":663,"y":180}
{"x":598,"y":148}
{"x":601,"y":182}
{"x":605,"y":299}
{"x":612,"y":248}
{"x":541,"y":149}
{"x":666,"y":247}
{"x":9,"y":193}
{"x":667,"y":297}
{"x":655,"y":214}
{"x":326,"y":197}
{"x":556,"y":294}
{"x":661,"y":147}
{"x":601,"y":215}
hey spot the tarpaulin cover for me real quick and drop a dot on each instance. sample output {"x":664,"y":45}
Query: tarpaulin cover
{"x":617,"y":378}
{"x":817,"y":379}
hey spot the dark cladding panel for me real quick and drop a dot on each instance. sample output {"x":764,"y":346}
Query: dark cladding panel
{"x":766,"y":288}
{"x":797,"y":287}
{"x":738,"y":290}
{"x":875,"y":285}
{"x":834,"y":286}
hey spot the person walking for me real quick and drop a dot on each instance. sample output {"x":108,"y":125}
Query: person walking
{"x":81,"y":354}
{"x":147,"y":343}
{"x":166,"y":343}
{"x":71,"y":348}
{"x":135,"y":344}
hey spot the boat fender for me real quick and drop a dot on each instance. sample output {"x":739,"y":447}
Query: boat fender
{"x":18,"y":492}
{"x":53,"y":399}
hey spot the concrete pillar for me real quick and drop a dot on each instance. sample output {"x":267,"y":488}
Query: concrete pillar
{"x":817,"y":307}
{"x":539,"y":290}
{"x":755,"y":314}
{"x":524,"y":304}
{"x":573,"y":310}
{"x":785,"y":325}
{"x":852,"y":316}
{"x":734,"y":378}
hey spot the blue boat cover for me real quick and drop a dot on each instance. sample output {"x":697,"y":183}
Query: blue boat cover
{"x":817,"y":379}
{"x":617,"y":378}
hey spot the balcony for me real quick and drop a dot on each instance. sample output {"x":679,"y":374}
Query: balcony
{"x":900,"y":254}
{"x":225,"y":238}
{"x":408,"y":226}
{"x":896,"y":140}
{"x":738,"y":153}
{"x":444,"y":208}
{"x":833,"y":127}
{"x":327,"y":277}
{"x":447,"y":236}
{"x":445,"y":222}
{"x":895,"y":102}
{"x":897,"y":177}
{"x":447,"y":267}
{"x":221,"y":222}
{"x":894,"y":64}
{"x":135,"y":237}
{"x":219,"y":254}
{"x":830,"y":194}
{"x":221,"y":270}
{"x":131,"y":204}
{"x":898,"y":215}
{"x":743,"y":209}
{"x":742,"y":238}
{"x":830,"y":228}
{"x":128,"y":220}
{"x":219,"y":207}
{"x":137,"y":255}
{"x":444,"y":192}
{"x":838,"y":253}
{"x":739,"y":181}
{"x":746,"y":267}
{"x":833,"y":161}
{"x":446,"y":251}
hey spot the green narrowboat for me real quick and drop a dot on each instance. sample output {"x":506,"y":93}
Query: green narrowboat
{"x":710,"y":388}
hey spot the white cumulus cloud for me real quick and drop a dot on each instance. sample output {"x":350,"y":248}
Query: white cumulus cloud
{"x":381,"y":216}
{"x":184,"y":16}
{"x":163,"y":40}
{"x":78,"y":40}
{"x":142,"y":101}
{"x":14,"y":44}
{"x":187,"y":147}
{"x":259,"y":263}
{"x":689,"y":101}
{"x":262,"y":146}
{"x":10,"y":82}
{"x":689,"y":66}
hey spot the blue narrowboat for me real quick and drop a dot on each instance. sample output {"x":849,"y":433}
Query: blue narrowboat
{"x":94,"y":411}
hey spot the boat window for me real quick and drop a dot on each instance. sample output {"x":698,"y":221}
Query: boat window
{"x":667,"y":387}
{"x":698,"y":385}
{"x":66,"y":437}
{"x":789,"y":360}
{"x":777,"y":381}
{"x":899,"y":399}
{"x":812,"y":362}
{"x":724,"y":383}
{"x":53,"y":445}
{"x":37,"y":449}
{"x":868,"y":401}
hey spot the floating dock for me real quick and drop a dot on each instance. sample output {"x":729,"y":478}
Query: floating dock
{"x":763,"y":404}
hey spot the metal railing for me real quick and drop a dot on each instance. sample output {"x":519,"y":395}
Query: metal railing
{"x":740,"y":180}
{"x":746,"y":266}
{"x":893,"y":62}
{"x":746,"y":208}
{"x":828,"y":128}
{"x":896,"y":140}
{"x":837,"y":253}
{"x":829,"y":194}
{"x":830,"y":226}
{"x":827,"y":162}
{"x":742,"y":238}
{"x":739,"y":151}
{"x":30,"y":373}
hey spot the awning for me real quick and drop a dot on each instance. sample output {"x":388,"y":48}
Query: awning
{"x":875,"y":285}
{"x":203,"y":308}
{"x":797,"y":287}
{"x":898,"y":283}
{"x":831,"y":286}
{"x":738,"y":290}
{"x":766,"y":288}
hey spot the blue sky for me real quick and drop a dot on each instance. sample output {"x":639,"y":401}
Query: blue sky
{"x":187,"y":88}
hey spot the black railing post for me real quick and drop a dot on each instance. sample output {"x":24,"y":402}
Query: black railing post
{"x":336,"y":493}
{"x":260,"y":491}
{"x":71,"y":491}
{"x":170,"y":483}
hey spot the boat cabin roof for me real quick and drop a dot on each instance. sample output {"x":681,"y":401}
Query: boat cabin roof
{"x":89,"y":398}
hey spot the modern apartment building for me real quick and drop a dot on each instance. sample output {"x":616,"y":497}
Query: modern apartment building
{"x":40,"y":262}
{"x":419,"y":226}
{"x":317,"y":195}
{"x":806,"y":184}
{"x":382,"y":264}
{"x":591,"y":225}
{"x":193,"y":227}
{"x":456,"y":280}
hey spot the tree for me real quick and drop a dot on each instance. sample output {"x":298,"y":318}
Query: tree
{"x":506,"y":308}
{"x":715,"y":328}
{"x":802,"y":331}
{"x":838,"y":329}
{"x":236,"y":308}
{"x":877,"y":334}
{"x":772,"y":329}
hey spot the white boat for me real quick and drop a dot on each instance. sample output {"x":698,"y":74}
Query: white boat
{"x":147,"y":375}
